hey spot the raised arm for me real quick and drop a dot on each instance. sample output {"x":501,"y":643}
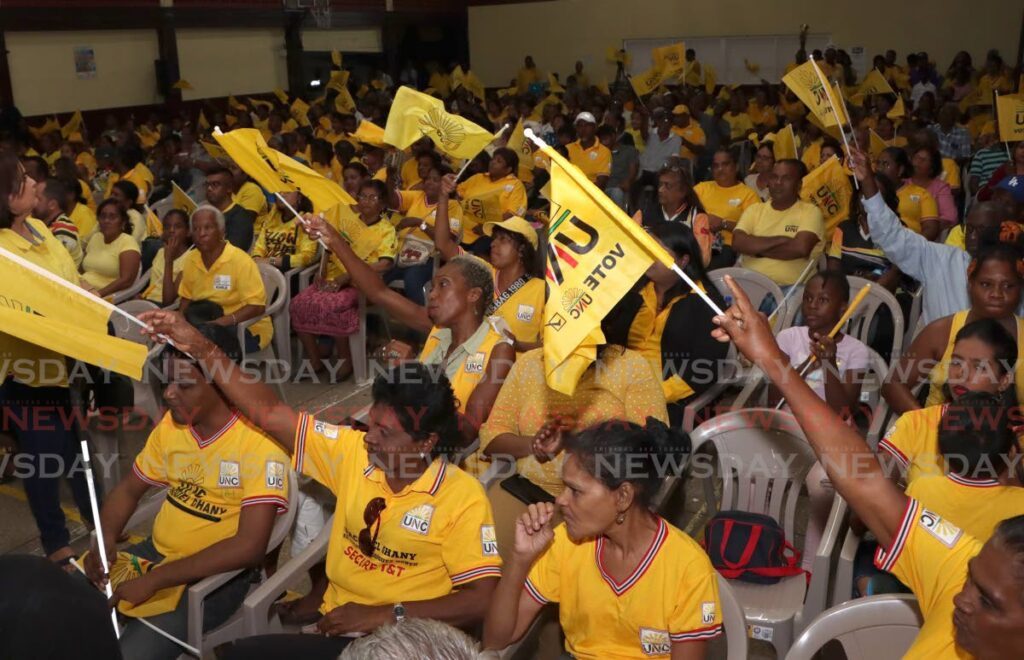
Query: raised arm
{"x":851,"y":465}
{"x":915,"y":365}
{"x":446,"y":245}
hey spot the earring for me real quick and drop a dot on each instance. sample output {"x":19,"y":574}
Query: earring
{"x":621,"y":518}
{"x":423,"y":455}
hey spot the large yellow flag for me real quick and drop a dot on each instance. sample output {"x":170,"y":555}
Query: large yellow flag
{"x":670,"y":59}
{"x":828,"y":188}
{"x":648,"y":81}
{"x":784,"y":144}
{"x":73,"y":126}
{"x":595,"y":254}
{"x":276,"y":172}
{"x":1010,"y":111}
{"x":875,"y":83}
{"x":414,"y":114}
{"x":806,"y":84}
{"x":369,"y":133}
{"x":181,"y":199}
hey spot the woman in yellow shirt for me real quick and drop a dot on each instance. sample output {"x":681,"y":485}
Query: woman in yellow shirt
{"x":352,"y":176}
{"x":330,"y":307}
{"x":994,"y":283}
{"x":918,"y":209}
{"x":500,"y":182}
{"x":112,"y":259}
{"x":724,"y":198}
{"x":281,"y":243}
{"x":165,"y":273}
{"x":627,"y":583}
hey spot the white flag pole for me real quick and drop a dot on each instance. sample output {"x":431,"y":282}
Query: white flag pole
{"x":832,"y":103}
{"x":470,"y":160}
{"x":297,"y":216}
{"x":100,"y":542}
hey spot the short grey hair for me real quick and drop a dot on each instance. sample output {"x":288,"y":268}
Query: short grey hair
{"x":413,"y":638}
{"x":207,"y":208}
{"x":478,"y":275}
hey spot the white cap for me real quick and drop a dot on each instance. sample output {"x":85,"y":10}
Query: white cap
{"x":587,"y":117}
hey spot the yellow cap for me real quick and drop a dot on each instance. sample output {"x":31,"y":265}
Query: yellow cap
{"x":681,"y":109}
{"x":516,"y":225}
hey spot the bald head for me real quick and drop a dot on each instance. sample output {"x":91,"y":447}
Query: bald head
{"x":982,"y":225}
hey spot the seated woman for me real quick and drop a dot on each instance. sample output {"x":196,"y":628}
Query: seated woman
{"x":280,"y":242}
{"x":222,"y":284}
{"x":165,"y":273}
{"x":764,"y":161}
{"x":474,"y":349}
{"x":125,"y":193}
{"x":678,"y":202}
{"x":725,"y":198}
{"x":627,"y":583}
{"x":412,"y":534}
{"x":518,"y":291}
{"x":917,"y":208}
{"x":416,"y":232}
{"x":499,"y":180}
{"x":994,"y":287}
{"x":330,"y":307}
{"x":112,"y":259}
{"x":926,"y":172}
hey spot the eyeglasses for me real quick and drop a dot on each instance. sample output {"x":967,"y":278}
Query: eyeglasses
{"x":371,"y":517}
{"x":368,"y":198}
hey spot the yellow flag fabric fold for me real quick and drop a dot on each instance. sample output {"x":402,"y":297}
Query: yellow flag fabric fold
{"x":807,"y":85}
{"x":594,"y":256}
{"x":281,"y":95}
{"x":344,"y":103}
{"x":875,"y":83}
{"x":877,"y":146}
{"x":1010,"y":112}
{"x":26,"y":287}
{"x":336,"y":58}
{"x":338,"y":81}
{"x":648,"y":81}
{"x":182,"y":84}
{"x":671,"y":60}
{"x":369,"y":133}
{"x":298,"y":111}
{"x":710,"y":78}
{"x":828,"y":188}
{"x":784,"y":144}
{"x":203,"y":122}
{"x":554,"y":87}
{"x":276,"y":172}
{"x":73,"y":126}
{"x":49,"y":126}
{"x":414,"y":115}
{"x":181,"y":199}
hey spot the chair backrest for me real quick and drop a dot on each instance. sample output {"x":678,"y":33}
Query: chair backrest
{"x":276,"y":286}
{"x":734,"y":622}
{"x":755,"y":285}
{"x":871,"y":388}
{"x":763,"y":458}
{"x":868,"y":628}
{"x":860,"y":322}
{"x":125,"y":329}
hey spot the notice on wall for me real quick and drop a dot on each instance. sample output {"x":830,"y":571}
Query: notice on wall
{"x":85,"y":62}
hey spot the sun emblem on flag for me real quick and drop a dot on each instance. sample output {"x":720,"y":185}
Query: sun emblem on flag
{"x":443,"y":130}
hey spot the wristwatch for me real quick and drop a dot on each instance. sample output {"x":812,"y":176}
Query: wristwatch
{"x":399,"y":611}
{"x":423,"y":226}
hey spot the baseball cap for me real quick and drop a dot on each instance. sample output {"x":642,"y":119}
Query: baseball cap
{"x":516,"y":225}
{"x":681,"y":109}
{"x":587,"y":117}
{"x":1015,"y":185}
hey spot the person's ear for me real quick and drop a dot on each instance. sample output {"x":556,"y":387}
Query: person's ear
{"x":1005,"y":381}
{"x":427,"y":444}
{"x":624,"y":496}
{"x":683,"y":261}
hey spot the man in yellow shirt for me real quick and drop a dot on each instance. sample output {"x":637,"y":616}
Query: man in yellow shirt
{"x":692,"y":75}
{"x":690,"y":133}
{"x":528,"y":75}
{"x":587,"y":153}
{"x":129,"y":165}
{"x":778,"y":237}
{"x":226,"y":482}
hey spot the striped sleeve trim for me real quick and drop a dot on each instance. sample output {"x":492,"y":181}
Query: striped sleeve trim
{"x":534,"y":594}
{"x":152,"y":482}
{"x":886,"y":559}
{"x":476,"y":574}
{"x":697,"y":635}
{"x":892,"y":450}
{"x":280,"y":502}
{"x":300,"y":442}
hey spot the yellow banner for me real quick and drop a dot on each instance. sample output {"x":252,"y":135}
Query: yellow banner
{"x":414,"y":115}
{"x":648,"y":81}
{"x":276,"y":172}
{"x":828,"y":188}
{"x":595,"y":254}
{"x":26,"y":287}
{"x":807,"y":85}
{"x":1010,"y":112}
{"x":74,"y":125}
{"x":670,"y":59}
{"x":369,"y":133}
{"x":181,"y":199}
{"x":875,"y":83}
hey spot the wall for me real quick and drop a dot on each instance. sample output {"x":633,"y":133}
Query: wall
{"x":559,"y":32}
{"x":43,"y":75}
{"x":365,"y":40}
{"x":222,"y":62}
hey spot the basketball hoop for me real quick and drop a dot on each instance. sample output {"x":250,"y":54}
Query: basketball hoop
{"x":321,"y":11}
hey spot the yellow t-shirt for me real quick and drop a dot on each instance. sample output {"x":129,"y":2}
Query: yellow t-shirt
{"x":916,"y":205}
{"x":645,"y":334}
{"x":410,"y":172}
{"x":251,"y":197}
{"x":209,"y":480}
{"x":85,"y":219}
{"x":510,"y":194}
{"x":47,"y":252}
{"x":413,"y":204}
{"x":727,"y":203}
{"x":280,"y":236}
{"x":621,"y":387}
{"x":435,"y":535}
{"x":378,"y":241}
{"x":523,"y":310}
{"x":102,"y":262}
{"x":233,"y":281}
{"x":86,"y":193}
{"x":930,"y":555}
{"x":155,"y":291}
{"x":740,"y":125}
{"x":692,"y":133}
{"x":670,"y":598}
{"x":764,"y":220}
{"x":913,"y":441}
{"x":975,"y":505}
{"x":594,"y":162}
{"x":956,"y":237}
{"x":937,"y":377}
{"x":951,"y":173}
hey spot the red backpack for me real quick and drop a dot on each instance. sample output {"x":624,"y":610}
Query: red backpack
{"x":751,"y":547}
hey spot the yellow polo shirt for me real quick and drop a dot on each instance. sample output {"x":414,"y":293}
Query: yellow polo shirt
{"x":764,"y":220}
{"x":378,"y":241}
{"x":740,"y":125}
{"x":233,"y":281}
{"x":436,"y":535}
{"x":975,"y":505}
{"x":727,"y":203}
{"x":509,"y":192}
{"x":913,"y":440}
{"x":102,"y":262}
{"x":594,"y":162}
{"x":251,"y":197}
{"x":209,"y":480}
{"x":930,"y":555}
{"x":413,"y":204}
{"x":410,"y":172}
{"x":916,"y":205}
{"x":671,"y":597}
{"x":692,"y":133}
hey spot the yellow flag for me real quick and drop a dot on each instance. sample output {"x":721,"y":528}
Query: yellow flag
{"x":806,"y":84}
{"x":28,"y":288}
{"x":336,"y":58}
{"x":74,"y":125}
{"x":204,"y":123}
{"x":234,"y":104}
{"x":710,"y":78}
{"x":614,"y":54}
{"x":276,"y":172}
{"x":875,"y":83}
{"x":49,"y":126}
{"x":973,"y":97}
{"x":1010,"y":112}
{"x":298,"y":111}
{"x":127,"y":566}
{"x":670,"y":59}
{"x":898,"y":110}
{"x":554,"y":87}
{"x":602,"y":86}
{"x":154,"y":225}
{"x":414,"y":114}
{"x":518,"y":143}
{"x":483,"y":208}
{"x":181,"y":199}
{"x":344,"y":103}
{"x":281,"y":95}
{"x":877,"y":146}
{"x":784,"y":144}
{"x":215,"y":151}
{"x":595,"y":254}
{"x":646,"y":82}
{"x":257,"y":103}
{"x":828,"y":188}
{"x":182,"y":84}
{"x":369,"y":133}
{"x":338,"y":81}
{"x":351,"y":227}
{"x":502,"y":93}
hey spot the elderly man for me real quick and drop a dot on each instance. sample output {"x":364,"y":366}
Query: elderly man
{"x":587,"y":152}
{"x":662,"y":145}
{"x":239,"y":221}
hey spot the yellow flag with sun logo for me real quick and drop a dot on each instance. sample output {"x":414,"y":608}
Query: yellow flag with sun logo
{"x":806,"y":83}
{"x":415,"y":115}
{"x":127,"y":567}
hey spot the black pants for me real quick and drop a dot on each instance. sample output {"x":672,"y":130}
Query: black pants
{"x":275,"y":647}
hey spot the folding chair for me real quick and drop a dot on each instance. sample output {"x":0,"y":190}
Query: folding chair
{"x":277,"y":310}
{"x":872,"y":628}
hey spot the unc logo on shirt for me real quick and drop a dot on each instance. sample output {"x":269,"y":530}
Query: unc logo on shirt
{"x":707,"y":612}
{"x":593,"y":155}
{"x":943,"y":530}
{"x":735,"y":201}
{"x":275,"y":475}
{"x":475,"y":363}
{"x":222,"y":282}
{"x":329,"y":431}
{"x":915,"y":198}
{"x":488,"y":540}
{"x":508,"y":187}
{"x":418,"y":519}
{"x":230,"y":475}
{"x":525,"y":313}
{"x":655,"y":642}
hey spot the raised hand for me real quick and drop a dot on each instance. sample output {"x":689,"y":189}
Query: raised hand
{"x":163,"y":324}
{"x":547,"y":442}
{"x":534,"y":532}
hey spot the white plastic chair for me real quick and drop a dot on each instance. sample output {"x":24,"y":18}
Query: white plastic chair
{"x":733,"y":621}
{"x":763,"y":460}
{"x":137,"y":287}
{"x":872,"y":628}
{"x":233,"y":628}
{"x":754,"y":284}
{"x":277,"y":310}
{"x":859,"y":325}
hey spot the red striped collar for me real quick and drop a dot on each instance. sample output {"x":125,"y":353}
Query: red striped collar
{"x":620,"y":588}
{"x":420,"y":484}
{"x":975,"y":483}
{"x":203,"y":443}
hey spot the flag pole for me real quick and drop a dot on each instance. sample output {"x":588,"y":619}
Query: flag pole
{"x":1006,"y":144}
{"x":470,"y":160}
{"x":297,"y":216}
{"x":832,"y":103}
{"x":101,"y":544}
{"x":792,"y":288}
